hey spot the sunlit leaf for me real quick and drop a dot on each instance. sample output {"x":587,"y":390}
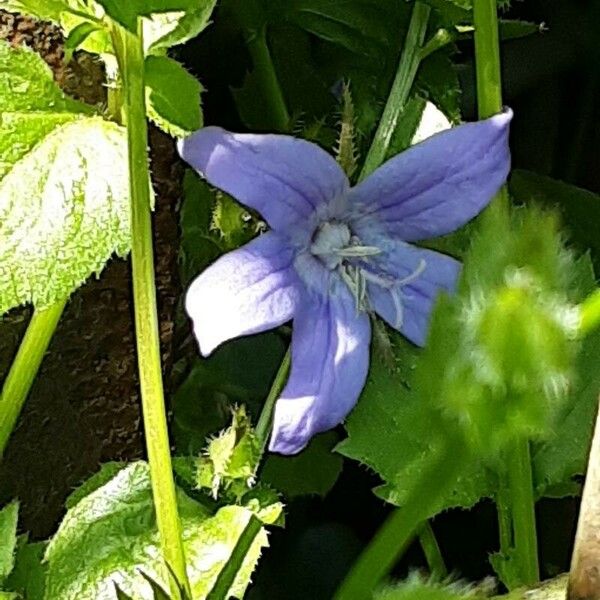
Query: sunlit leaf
{"x":8,"y":538}
{"x":173,"y":96}
{"x":110,"y":537}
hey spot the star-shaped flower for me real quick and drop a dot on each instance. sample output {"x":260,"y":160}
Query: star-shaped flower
{"x":336,"y":253}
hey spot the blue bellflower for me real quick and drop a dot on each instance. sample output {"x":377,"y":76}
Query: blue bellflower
{"x":336,"y":253}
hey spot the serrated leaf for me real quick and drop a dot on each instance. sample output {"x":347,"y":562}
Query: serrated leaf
{"x":110,"y":538}
{"x":8,"y":538}
{"x":314,"y":471}
{"x":64,"y":211}
{"x":234,"y":224}
{"x":172,"y":96}
{"x":165,"y":30}
{"x":31,"y":104}
{"x":391,"y":431}
{"x":104,"y":475}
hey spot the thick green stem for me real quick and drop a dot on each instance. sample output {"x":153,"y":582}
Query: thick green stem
{"x":146,"y":320}
{"x":520,"y":487}
{"x":487,"y":67}
{"x":263,"y":427}
{"x":522,"y":501}
{"x":25,"y":367}
{"x":432,"y":552}
{"x":590,"y":313}
{"x":264,"y":70}
{"x":403,"y":82}
{"x":393,"y":537}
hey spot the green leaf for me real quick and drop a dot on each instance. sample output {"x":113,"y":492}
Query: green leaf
{"x":391,"y":431}
{"x":511,"y":29}
{"x":77,"y":37}
{"x":28,"y":578}
{"x":438,"y":81}
{"x":110,"y":537}
{"x":104,"y":475}
{"x":64,"y":206}
{"x":233,"y":222}
{"x":64,"y":210}
{"x":46,"y":10}
{"x":167,"y":29}
{"x":172,"y":96}
{"x":313,"y":471}
{"x":8,"y":538}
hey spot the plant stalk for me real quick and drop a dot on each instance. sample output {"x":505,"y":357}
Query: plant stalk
{"x":25,"y":366}
{"x":264,"y":70}
{"x":487,"y":69}
{"x":403,"y":82}
{"x":146,"y":319}
{"x":396,"y":533}
{"x":263,"y":427}
{"x":522,"y":508}
{"x":433,"y":554}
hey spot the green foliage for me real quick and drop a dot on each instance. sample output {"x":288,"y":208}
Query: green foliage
{"x":64,"y":198}
{"x":496,"y":365}
{"x":8,"y":539}
{"x":313,"y":471}
{"x":28,"y":578}
{"x":172,"y":96}
{"x":110,"y":537}
{"x":47,"y":10}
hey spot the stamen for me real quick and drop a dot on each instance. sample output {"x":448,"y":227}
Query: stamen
{"x":357,"y":251}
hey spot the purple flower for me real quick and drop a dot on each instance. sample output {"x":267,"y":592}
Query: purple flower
{"x":336,"y":253}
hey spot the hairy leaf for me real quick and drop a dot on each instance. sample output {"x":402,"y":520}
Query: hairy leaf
{"x":64,"y":211}
{"x":110,"y":538}
{"x":173,"y":96}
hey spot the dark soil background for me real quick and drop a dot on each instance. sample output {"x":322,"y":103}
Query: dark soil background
{"x":84,"y":407}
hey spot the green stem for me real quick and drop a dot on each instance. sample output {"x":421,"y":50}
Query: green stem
{"x":487,"y":68}
{"x":25,"y":367}
{"x":505,"y":532}
{"x":264,"y":70}
{"x":393,"y":537}
{"x":433,"y":554}
{"x":522,"y":500}
{"x":403,"y":82}
{"x":263,"y":427}
{"x":146,"y":319}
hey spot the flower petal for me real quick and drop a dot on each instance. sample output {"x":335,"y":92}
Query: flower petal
{"x":284,"y":178}
{"x":330,"y":361}
{"x":438,"y":185}
{"x":421,"y":275}
{"x":251,"y":289}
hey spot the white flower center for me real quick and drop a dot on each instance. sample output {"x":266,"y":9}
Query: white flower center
{"x":338,"y":249}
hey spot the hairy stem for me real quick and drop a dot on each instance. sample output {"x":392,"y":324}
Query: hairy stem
{"x":520,"y":489}
{"x":146,"y":320}
{"x":263,"y":427}
{"x":403,"y":82}
{"x":25,"y":367}
{"x":393,"y":537}
{"x":522,"y":509}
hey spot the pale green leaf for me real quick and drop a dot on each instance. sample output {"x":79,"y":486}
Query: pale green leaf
{"x":167,"y":29}
{"x":64,"y":211}
{"x":28,"y":578}
{"x":172,"y":96}
{"x":8,"y":538}
{"x":47,"y":10}
{"x":109,"y":538}
{"x":415,"y":588}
